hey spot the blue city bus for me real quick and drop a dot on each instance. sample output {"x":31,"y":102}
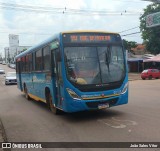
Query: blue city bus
{"x":75,"y":71}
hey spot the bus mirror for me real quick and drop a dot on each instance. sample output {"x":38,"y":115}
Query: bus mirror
{"x":54,"y":45}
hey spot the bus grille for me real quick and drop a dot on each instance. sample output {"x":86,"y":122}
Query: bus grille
{"x":96,"y":103}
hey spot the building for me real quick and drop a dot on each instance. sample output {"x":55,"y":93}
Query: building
{"x":135,"y":59}
{"x":11,"y":52}
{"x":13,"y":49}
{"x":153,"y":62}
{"x":6,"y":54}
{"x":21,"y":49}
{"x":139,"y":50}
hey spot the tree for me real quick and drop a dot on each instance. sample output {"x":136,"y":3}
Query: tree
{"x":151,"y":36}
{"x":24,"y":49}
{"x":129,"y":44}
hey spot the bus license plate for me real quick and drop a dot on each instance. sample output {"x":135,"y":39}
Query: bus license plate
{"x":103,"y":106}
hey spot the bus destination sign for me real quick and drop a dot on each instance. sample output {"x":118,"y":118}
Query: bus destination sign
{"x":90,"y":38}
{"x":87,"y":38}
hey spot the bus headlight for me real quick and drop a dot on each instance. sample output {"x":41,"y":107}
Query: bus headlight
{"x":73,"y":94}
{"x":125,"y":88}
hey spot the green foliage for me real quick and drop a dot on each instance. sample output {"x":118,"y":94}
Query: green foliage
{"x":24,"y":49}
{"x":129,"y":44}
{"x":151,"y":36}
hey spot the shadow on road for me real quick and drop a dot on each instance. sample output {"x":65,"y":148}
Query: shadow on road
{"x":83,"y":115}
{"x":92,"y":115}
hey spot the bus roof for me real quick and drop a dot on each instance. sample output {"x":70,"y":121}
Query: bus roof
{"x":37,"y":46}
{"x":88,"y":31}
{"x":57,"y":36}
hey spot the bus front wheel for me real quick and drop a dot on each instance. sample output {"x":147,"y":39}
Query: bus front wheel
{"x":52,"y":106}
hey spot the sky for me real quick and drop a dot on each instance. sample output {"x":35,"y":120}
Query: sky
{"x":36,"y":20}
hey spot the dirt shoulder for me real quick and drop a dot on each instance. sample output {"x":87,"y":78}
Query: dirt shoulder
{"x":3,"y":137}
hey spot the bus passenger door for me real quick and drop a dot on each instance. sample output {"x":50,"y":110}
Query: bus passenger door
{"x":56,"y":73}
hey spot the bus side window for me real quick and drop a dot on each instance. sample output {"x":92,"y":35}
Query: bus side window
{"x":38,"y":60}
{"x":46,"y":58}
{"x":53,"y":65}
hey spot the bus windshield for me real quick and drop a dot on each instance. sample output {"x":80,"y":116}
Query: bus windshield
{"x":94,"y":65}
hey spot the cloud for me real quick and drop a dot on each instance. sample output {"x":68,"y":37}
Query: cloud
{"x":33,"y":26}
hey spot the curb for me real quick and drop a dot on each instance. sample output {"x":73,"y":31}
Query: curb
{"x":133,"y":79}
{"x":3,"y":136}
{"x":134,"y":76}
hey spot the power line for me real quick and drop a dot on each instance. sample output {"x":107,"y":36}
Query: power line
{"x":28,"y":33}
{"x":123,"y":1}
{"x":129,"y":29}
{"x":133,"y":1}
{"x":131,"y":33}
{"x":29,"y":6}
{"x":40,"y":9}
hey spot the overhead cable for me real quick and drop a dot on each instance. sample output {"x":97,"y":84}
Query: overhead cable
{"x":40,"y":9}
{"x":129,"y":29}
{"x":131,"y":33}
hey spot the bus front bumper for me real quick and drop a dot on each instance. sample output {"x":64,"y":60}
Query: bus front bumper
{"x":82,"y":105}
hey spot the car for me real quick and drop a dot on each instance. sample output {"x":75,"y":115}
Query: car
{"x":150,"y":73}
{"x":4,"y":63}
{"x":10,"y":78}
{"x":2,"y":71}
{"x":13,"y":66}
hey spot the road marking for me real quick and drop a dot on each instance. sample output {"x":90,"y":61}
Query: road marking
{"x":112,"y":123}
{"x":117,"y":123}
{"x":129,"y":122}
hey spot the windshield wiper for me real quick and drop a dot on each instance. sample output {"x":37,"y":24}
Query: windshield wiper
{"x":108,"y":58}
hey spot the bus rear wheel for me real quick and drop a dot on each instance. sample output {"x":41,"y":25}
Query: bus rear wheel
{"x":26,"y":93}
{"x":51,"y":106}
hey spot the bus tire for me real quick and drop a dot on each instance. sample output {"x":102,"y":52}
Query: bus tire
{"x":51,"y":106}
{"x":26,"y":93}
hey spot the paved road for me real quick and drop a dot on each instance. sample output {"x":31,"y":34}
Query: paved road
{"x":137,"y":121}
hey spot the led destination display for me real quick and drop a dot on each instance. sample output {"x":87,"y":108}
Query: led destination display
{"x":90,"y":38}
